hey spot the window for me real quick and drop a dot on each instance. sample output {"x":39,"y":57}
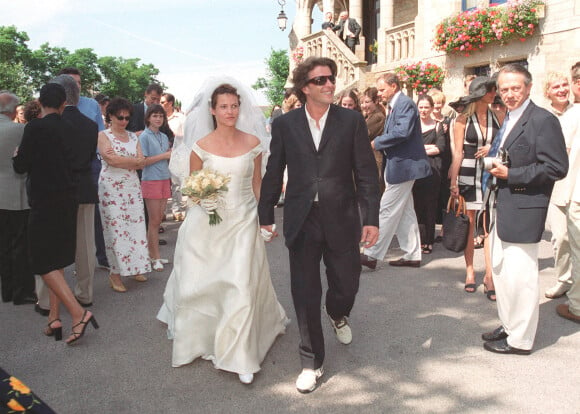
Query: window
{"x":472,"y":4}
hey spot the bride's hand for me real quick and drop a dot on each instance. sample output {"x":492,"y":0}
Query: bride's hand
{"x":268,"y":232}
{"x":208,"y":205}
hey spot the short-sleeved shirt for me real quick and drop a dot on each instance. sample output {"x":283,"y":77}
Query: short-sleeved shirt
{"x":154,"y":143}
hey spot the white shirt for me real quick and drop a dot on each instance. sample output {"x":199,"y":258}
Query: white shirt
{"x":514,"y":117}
{"x":316,"y":129}
{"x":176,"y":121}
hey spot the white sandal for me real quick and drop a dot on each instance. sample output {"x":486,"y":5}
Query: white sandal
{"x":157,"y":265}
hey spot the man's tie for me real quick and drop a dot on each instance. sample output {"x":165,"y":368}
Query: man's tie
{"x":493,"y":150}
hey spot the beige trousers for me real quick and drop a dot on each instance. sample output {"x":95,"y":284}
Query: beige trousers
{"x":574,"y":233}
{"x":516,"y":278}
{"x":560,"y":243}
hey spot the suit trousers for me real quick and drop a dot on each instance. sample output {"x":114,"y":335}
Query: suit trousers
{"x":560,"y":243}
{"x":516,"y":278}
{"x":17,"y":278}
{"x":85,"y":259}
{"x":397,"y":216}
{"x":99,"y":238}
{"x":573,"y":215}
{"x":342,"y":273}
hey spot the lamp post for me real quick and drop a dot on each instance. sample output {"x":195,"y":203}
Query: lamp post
{"x":282,"y":19}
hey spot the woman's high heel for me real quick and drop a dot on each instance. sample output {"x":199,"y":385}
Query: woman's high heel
{"x":56,"y":332}
{"x":117,"y":287}
{"x":83,"y":323}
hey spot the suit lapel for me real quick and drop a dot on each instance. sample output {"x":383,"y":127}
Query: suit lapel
{"x":328,"y":127}
{"x":518,"y":128}
{"x":302,"y":124}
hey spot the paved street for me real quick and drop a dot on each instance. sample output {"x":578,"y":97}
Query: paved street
{"x":416,"y":349}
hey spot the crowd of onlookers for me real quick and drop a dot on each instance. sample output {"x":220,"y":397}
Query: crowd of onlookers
{"x":97,"y":195}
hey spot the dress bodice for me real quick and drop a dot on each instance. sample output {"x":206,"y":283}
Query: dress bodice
{"x":241,"y":170}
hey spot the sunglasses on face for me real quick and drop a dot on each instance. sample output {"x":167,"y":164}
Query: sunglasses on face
{"x":321,"y":80}
{"x":122,"y":118}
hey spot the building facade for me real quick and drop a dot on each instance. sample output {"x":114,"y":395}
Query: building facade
{"x":404,"y":31}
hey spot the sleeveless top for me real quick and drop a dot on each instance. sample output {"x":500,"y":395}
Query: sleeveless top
{"x":471,"y":170}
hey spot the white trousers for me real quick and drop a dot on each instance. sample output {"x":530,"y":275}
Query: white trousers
{"x":516,"y":279}
{"x":560,"y":243}
{"x":397,"y":216}
{"x":573,"y":215}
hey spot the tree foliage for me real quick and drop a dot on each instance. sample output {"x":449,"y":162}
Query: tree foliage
{"x":277,"y":74}
{"x":24,"y":71}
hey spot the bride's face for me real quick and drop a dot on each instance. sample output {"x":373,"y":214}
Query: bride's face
{"x":226,"y":110}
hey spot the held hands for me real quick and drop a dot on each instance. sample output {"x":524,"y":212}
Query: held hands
{"x":268,"y":233}
{"x":370,"y":235}
{"x":167,"y":154}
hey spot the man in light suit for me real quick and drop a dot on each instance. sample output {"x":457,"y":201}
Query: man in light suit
{"x":406,"y":161}
{"x":331,"y":173}
{"x":537,"y":157}
{"x":348,"y":30}
{"x":17,"y":278}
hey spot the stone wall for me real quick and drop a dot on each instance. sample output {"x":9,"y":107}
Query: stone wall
{"x":404,"y":11}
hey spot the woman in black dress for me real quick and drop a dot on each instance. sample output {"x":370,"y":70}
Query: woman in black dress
{"x":45,"y":154}
{"x":426,"y":190}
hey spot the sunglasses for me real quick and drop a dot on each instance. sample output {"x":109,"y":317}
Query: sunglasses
{"x":321,"y":80}
{"x":122,"y":118}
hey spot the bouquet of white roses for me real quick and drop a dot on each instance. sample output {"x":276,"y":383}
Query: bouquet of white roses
{"x":205,"y":187}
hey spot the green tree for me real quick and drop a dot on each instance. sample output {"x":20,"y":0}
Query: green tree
{"x":15,"y":57}
{"x":277,"y":74}
{"x":126,"y":77}
{"x":86,"y":61}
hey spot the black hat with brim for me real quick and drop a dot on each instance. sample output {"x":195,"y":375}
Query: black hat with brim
{"x":477,"y":89}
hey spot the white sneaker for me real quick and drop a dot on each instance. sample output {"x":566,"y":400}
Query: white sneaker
{"x":306,"y":381}
{"x":342,"y":330}
{"x":559,"y":289}
{"x":246,"y":378}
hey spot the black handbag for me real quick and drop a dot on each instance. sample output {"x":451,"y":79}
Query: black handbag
{"x":455,"y":225}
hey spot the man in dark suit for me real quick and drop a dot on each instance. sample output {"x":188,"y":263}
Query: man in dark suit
{"x":348,"y":30}
{"x":84,"y":146}
{"x":331,"y":173}
{"x":537,"y":157}
{"x":405,"y":162}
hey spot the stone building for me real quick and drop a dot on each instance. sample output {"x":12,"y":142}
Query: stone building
{"x":405,"y":29}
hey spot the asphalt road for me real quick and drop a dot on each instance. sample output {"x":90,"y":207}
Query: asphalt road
{"x":416,"y":349}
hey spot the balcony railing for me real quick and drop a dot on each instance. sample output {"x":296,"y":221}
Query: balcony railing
{"x":327,"y":44}
{"x":400,"y":42}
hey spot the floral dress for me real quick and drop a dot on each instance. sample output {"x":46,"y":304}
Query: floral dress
{"x":122,"y":214}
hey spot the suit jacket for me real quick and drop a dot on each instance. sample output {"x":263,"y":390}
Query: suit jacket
{"x":137,"y":122}
{"x":353,"y":26}
{"x":402,"y":144}
{"x":538,"y":158}
{"x":12,"y":185}
{"x":342,"y":171}
{"x":84,"y":148}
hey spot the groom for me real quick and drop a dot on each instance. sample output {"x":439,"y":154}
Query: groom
{"x":331,"y":173}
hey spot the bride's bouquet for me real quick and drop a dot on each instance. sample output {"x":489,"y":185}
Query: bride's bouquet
{"x":206,"y":187}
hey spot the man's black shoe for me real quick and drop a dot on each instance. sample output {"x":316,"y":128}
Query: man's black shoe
{"x":38,"y":309}
{"x":502,"y":347}
{"x":162,"y":242}
{"x":26,"y":300}
{"x":495,"y":335}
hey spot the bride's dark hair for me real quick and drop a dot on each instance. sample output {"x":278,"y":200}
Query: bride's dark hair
{"x":223,"y":89}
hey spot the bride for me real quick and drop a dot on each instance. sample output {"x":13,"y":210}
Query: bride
{"x":219,"y":302}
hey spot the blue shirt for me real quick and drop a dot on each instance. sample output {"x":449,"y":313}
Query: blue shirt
{"x":154,"y":143}
{"x":91,"y":109}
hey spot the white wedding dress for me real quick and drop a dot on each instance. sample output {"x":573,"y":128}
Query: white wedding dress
{"x":219,"y":302}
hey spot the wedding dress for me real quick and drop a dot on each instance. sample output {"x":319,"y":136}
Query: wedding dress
{"x":219,"y":302}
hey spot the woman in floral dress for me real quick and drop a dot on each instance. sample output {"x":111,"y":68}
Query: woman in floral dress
{"x":120,"y":199}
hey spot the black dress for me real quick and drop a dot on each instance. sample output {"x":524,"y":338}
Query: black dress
{"x":46,"y":156}
{"x":426,"y":190}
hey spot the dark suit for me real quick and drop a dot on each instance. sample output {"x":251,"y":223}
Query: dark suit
{"x":85,"y":147}
{"x":538,"y":158}
{"x":343,"y":174}
{"x":406,"y":161}
{"x":355,"y":29}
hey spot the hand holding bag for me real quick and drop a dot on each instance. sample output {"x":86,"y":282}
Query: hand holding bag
{"x":455,"y":225}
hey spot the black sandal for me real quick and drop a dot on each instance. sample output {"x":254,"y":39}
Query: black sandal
{"x":470,"y":286}
{"x":56,"y":332}
{"x":489,"y":293}
{"x":427,"y":249}
{"x":79,"y":335}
